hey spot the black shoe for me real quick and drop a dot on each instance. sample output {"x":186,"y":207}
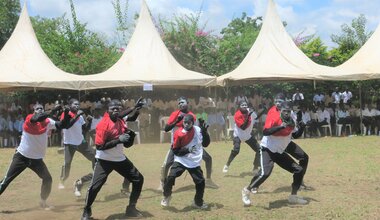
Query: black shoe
{"x":131,"y":211}
{"x":86,"y":214}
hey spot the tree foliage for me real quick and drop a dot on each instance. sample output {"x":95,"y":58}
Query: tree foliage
{"x":189,"y":42}
{"x":9,"y":13}
{"x":237,"y":39}
{"x":74,"y":48}
{"x":350,"y":40}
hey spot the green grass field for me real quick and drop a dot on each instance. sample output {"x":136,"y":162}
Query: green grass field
{"x":344,"y":174}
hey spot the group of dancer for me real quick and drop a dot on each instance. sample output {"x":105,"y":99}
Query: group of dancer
{"x":189,"y":138}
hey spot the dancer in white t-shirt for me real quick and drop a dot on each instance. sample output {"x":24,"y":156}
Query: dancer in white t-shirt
{"x":32,"y":150}
{"x":188,"y":143}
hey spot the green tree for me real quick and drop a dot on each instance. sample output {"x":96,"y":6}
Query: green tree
{"x":74,"y":49}
{"x":316,"y":50}
{"x":189,"y":42}
{"x":9,"y":13}
{"x":237,"y":39}
{"x":350,"y":40}
{"x":123,"y":25}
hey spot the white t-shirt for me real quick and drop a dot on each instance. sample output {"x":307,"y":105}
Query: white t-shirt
{"x":115,"y":154}
{"x":95,"y":122}
{"x":245,"y":135}
{"x":322,"y":115}
{"x":193,"y":159}
{"x":319,"y":98}
{"x":74,"y":135}
{"x":34,"y":146}
{"x":306,"y":117}
{"x":346,"y":95}
{"x":277,"y":144}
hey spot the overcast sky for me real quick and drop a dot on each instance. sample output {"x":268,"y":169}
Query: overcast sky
{"x":322,"y":17}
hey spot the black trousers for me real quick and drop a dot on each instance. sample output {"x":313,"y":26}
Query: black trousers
{"x":252,"y":142}
{"x":285,"y":161}
{"x":125,"y":168}
{"x":169,"y":159}
{"x":19,"y":164}
{"x":69,"y":153}
{"x":196,"y":173}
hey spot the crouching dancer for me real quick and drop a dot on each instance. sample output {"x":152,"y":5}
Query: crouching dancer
{"x":278,"y":131}
{"x":188,"y":143}
{"x":112,"y":135}
{"x":32,"y":150}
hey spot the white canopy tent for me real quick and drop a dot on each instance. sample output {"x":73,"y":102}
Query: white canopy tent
{"x":24,"y":64}
{"x":274,"y":56}
{"x":146,"y":60}
{"x":366,"y":61}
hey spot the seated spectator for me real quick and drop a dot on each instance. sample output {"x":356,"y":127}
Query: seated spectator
{"x":323,"y":118}
{"x":369,"y":119}
{"x":342,"y":117}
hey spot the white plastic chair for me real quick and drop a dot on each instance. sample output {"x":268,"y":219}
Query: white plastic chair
{"x":137,"y":130}
{"x":325,"y":127}
{"x":231,"y":125}
{"x":338,"y":130}
{"x":163,"y":122}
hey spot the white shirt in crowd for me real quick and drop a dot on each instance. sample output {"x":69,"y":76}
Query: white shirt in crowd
{"x":342,"y":114}
{"x":319,"y":98}
{"x":346,"y":95}
{"x":336,"y":96}
{"x":297,"y":96}
{"x":306,"y":117}
{"x":322,"y":115}
{"x":369,"y":113}
{"x":240,"y":98}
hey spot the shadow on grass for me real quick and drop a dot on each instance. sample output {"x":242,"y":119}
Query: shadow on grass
{"x":121,"y":216}
{"x":289,"y":189}
{"x":60,"y":208}
{"x":189,"y":208}
{"x":284,"y":203}
{"x":241,"y":175}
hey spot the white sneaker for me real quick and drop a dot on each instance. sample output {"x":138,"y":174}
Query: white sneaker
{"x":165,"y":202}
{"x":245,"y":196}
{"x":77,"y":188}
{"x":294,"y":199}
{"x":225,"y":169}
{"x":45,"y":206}
{"x":203,"y":206}
{"x":61,"y":186}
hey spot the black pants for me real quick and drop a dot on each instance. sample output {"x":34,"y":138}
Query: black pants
{"x":169,"y":159}
{"x":69,"y":153}
{"x":252,"y":142}
{"x":268,"y":158}
{"x":19,"y":164}
{"x":125,"y":168}
{"x":196,"y":173}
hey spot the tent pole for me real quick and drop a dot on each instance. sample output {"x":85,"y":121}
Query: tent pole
{"x":315,"y":84}
{"x":361,"y":109}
